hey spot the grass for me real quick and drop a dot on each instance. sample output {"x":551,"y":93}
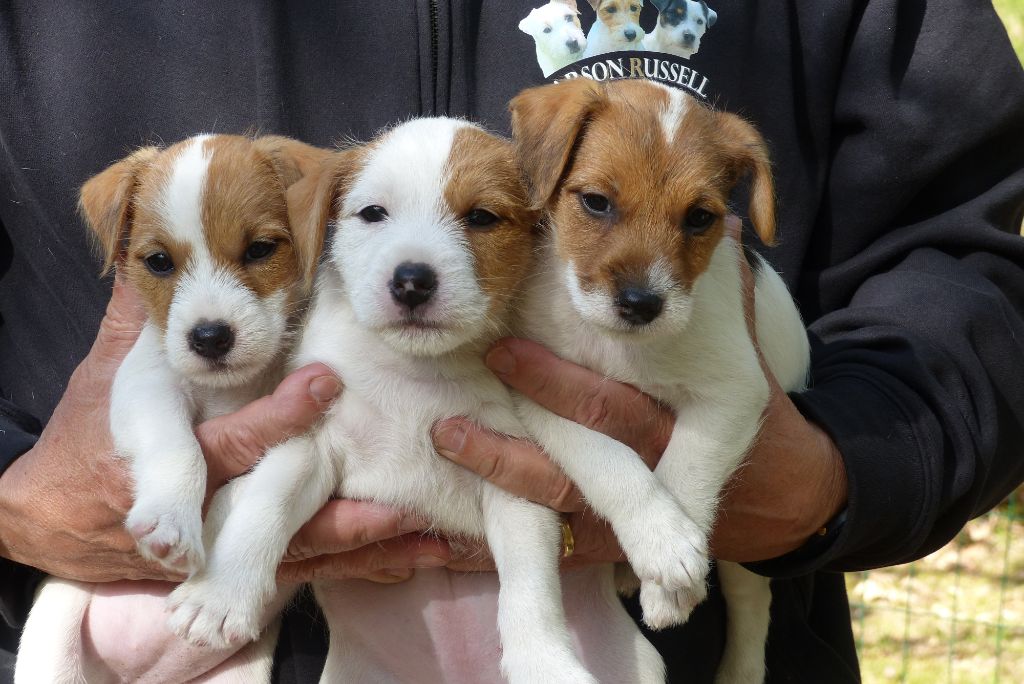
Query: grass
{"x":954,"y":616}
{"x":1012,"y":14}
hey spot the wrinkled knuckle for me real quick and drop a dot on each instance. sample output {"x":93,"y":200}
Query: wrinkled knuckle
{"x":237,"y":447}
{"x":299,"y":549}
{"x":562,"y":494}
{"x":593,"y":409}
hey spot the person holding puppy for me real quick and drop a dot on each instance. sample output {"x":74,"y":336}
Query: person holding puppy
{"x":900,"y":195}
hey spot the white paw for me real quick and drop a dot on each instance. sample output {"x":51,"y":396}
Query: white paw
{"x":666,"y":548}
{"x":170,"y":533}
{"x":214,"y":614}
{"x":667,"y":608}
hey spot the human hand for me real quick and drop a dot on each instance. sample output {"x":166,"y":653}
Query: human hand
{"x":63,"y":504}
{"x":791,"y":483}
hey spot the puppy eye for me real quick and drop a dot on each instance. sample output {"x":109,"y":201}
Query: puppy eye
{"x":159,"y":263}
{"x":610,"y":10}
{"x":632,"y":8}
{"x":568,"y":18}
{"x":698,"y":220}
{"x":596,"y":204}
{"x":480,"y":218}
{"x":547,"y":29}
{"x":374,"y":214}
{"x":700,"y":22}
{"x":260,"y":249}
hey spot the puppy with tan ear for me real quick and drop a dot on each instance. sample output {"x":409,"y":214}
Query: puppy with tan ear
{"x":640,"y":280}
{"x":201,"y":230}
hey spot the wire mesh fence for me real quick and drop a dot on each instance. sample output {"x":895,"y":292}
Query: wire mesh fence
{"x":954,"y":616}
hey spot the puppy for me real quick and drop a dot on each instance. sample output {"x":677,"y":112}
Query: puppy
{"x":431,"y":243}
{"x":639,"y":281}
{"x":556,"y":31}
{"x":617,"y":27}
{"x":201,"y":231}
{"x":681,"y":25}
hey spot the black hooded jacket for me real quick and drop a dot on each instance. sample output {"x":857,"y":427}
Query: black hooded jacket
{"x":896,"y":130}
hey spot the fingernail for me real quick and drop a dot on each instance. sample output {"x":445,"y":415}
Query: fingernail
{"x":428,"y":561}
{"x":501,"y":361}
{"x":324,"y":389}
{"x":389,"y":576}
{"x":449,"y":438}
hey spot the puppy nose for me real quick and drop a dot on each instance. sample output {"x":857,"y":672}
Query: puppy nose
{"x":212,"y":340}
{"x":413,"y":284}
{"x":630,"y":34}
{"x":573,"y":45}
{"x":638,"y":305}
{"x":688,"y":37}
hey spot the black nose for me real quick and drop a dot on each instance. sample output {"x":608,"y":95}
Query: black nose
{"x":413,"y":284}
{"x":638,"y":305}
{"x":630,"y":34}
{"x":211,"y":340}
{"x":689,"y":37}
{"x":573,"y":45}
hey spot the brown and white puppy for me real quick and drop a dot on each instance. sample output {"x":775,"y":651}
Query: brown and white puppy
{"x":201,"y":230}
{"x":432,"y":242}
{"x":617,"y":27}
{"x":640,"y":281}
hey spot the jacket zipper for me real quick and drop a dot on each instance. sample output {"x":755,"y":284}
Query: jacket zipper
{"x":434,"y":43}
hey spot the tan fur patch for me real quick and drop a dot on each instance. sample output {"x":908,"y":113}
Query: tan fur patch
{"x":623,"y":153}
{"x":615,"y":13}
{"x":482,"y":174}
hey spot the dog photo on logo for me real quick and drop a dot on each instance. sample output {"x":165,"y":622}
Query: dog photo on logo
{"x":681,"y":25}
{"x":556,"y":30}
{"x":617,"y":27}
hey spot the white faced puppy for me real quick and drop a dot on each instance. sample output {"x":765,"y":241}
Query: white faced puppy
{"x":640,"y":282}
{"x":681,"y":25}
{"x":201,"y":231}
{"x":556,"y":31}
{"x":432,"y":241}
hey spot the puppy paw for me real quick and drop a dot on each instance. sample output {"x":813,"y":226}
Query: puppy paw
{"x":214,"y":614}
{"x":667,"y":549}
{"x":168,"y":533}
{"x":666,"y":608}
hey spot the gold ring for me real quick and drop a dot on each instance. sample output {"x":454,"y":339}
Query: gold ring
{"x":568,"y":541}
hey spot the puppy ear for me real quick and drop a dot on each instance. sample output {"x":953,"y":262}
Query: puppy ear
{"x":292,"y":159}
{"x":662,"y":5}
{"x":595,"y":4}
{"x":570,"y":3}
{"x":546,"y":124}
{"x":106,"y":203}
{"x":749,"y":154}
{"x":529,"y":23}
{"x":312,"y":202}
{"x":712,"y":14}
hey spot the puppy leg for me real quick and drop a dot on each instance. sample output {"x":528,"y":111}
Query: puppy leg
{"x":51,"y":648}
{"x":151,"y":423}
{"x":224,"y":603}
{"x":523,"y":538}
{"x":707,"y":445}
{"x":663,"y":545}
{"x":748,"y":598}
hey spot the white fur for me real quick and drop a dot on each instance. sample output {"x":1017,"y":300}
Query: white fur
{"x":160,"y":391}
{"x":603,"y":38}
{"x":375,"y":443}
{"x":554,"y":35}
{"x":673,"y":114}
{"x":684,"y":38}
{"x":697,"y":358}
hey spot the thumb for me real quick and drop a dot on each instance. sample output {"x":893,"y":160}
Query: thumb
{"x":234,"y":442}
{"x":121,"y":324}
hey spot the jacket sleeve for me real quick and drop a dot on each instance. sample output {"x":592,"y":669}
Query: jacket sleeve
{"x":915,"y":286}
{"x":18,"y":432}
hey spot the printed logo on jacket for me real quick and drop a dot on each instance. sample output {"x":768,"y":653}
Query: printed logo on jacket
{"x":617,"y":46}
